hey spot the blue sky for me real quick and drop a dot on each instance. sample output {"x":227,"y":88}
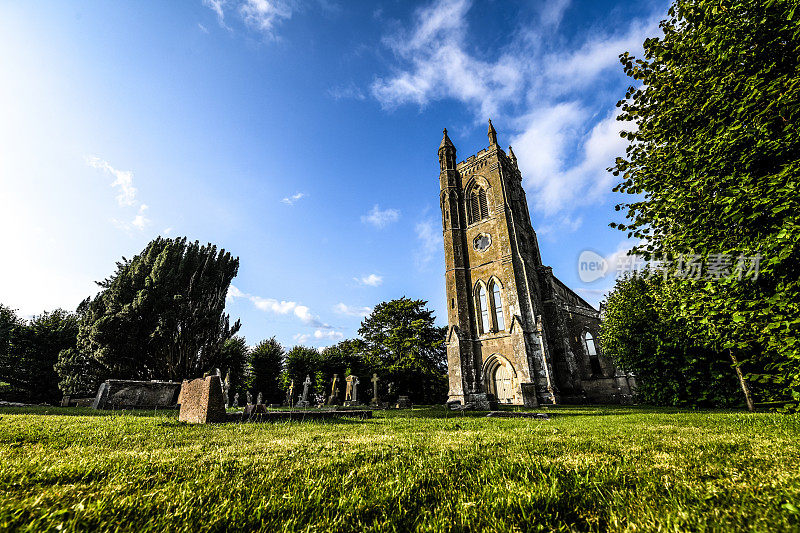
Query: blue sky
{"x":302,"y":137}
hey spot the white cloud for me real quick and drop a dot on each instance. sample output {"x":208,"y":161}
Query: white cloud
{"x":261,"y":15}
{"x":373,"y":280}
{"x":440,"y":66}
{"x":290,"y":200}
{"x":202,"y":28}
{"x":552,"y":11}
{"x":542,"y":157}
{"x":559,"y":226}
{"x":351,"y":91}
{"x":348,"y":310}
{"x":123,"y":180}
{"x":216,"y":7}
{"x":318,"y":335}
{"x":380,"y":218}
{"x":430,"y":242}
{"x":563,"y":144}
{"x":167,"y":231}
{"x":140,"y":221}
{"x":280,"y":307}
{"x":265,"y":14}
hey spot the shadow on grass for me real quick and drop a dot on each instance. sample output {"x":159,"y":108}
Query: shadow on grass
{"x":86,"y":411}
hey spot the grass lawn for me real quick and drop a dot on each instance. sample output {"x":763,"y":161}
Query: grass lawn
{"x":586,"y":469}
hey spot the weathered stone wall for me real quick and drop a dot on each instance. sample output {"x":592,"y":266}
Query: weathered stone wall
{"x":127,"y":394}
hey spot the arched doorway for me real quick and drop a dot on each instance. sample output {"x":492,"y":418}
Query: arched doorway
{"x":503,"y":384}
{"x":500,"y":378}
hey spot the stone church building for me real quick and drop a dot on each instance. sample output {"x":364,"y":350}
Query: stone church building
{"x":514,"y":330}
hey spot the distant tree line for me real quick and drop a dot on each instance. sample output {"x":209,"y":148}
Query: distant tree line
{"x":161,"y":316}
{"x":712,"y":168}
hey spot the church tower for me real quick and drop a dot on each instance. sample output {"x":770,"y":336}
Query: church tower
{"x":514,"y":331}
{"x":491,"y":257}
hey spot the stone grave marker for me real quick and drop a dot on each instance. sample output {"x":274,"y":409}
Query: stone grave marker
{"x":202,"y":401}
{"x":304,"y":397}
{"x":375,"y":399}
{"x":403,"y":402}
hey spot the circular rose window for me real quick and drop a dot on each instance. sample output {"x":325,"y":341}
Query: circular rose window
{"x":482,"y":241}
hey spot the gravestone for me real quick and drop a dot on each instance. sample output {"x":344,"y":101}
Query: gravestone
{"x":482,"y":401}
{"x":351,"y":392}
{"x":403,"y":402}
{"x":129,"y":394}
{"x":65,"y":401}
{"x":236,"y":400}
{"x":249,"y":398}
{"x":254,"y":409}
{"x":226,"y":388}
{"x":259,"y":399}
{"x":290,"y":393}
{"x":375,"y":400}
{"x":304,"y":397}
{"x":202,"y":401}
{"x":333,"y":399}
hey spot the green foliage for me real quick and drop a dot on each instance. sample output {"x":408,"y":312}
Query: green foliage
{"x":302,"y":361}
{"x":160,"y":315}
{"x":401,"y":339}
{"x":10,"y":323}
{"x":29,"y":350}
{"x":713,"y":165}
{"x":266,"y":361}
{"x":586,"y":469}
{"x":345,"y":358}
{"x":233,"y":363}
{"x":641,"y":333}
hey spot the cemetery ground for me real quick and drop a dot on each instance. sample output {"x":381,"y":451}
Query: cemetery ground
{"x":427,"y":469}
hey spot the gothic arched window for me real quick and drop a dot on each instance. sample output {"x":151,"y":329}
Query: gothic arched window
{"x":483,"y":205}
{"x":591,"y":351}
{"x":497,"y":303}
{"x":483,"y":309}
{"x":477,"y":205}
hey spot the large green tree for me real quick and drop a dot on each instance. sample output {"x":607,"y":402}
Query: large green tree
{"x":644,"y":336}
{"x":266,"y":361}
{"x":160,"y":315}
{"x":29,"y":350}
{"x":400,"y":337}
{"x":302,"y":361}
{"x":343,"y":358}
{"x":713,"y":165}
{"x":234,"y":363}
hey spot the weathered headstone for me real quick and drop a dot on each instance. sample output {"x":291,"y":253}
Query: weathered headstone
{"x":129,"y":394}
{"x":226,"y":388}
{"x":333,"y":399}
{"x":290,"y":393}
{"x":236,"y":400}
{"x":482,"y":401}
{"x":249,"y":398}
{"x":375,"y":400}
{"x":259,"y":399}
{"x":304,"y":398}
{"x":254,"y":409}
{"x":202,"y":401}
{"x":65,"y":400}
{"x":351,"y":392}
{"x":403,"y":402}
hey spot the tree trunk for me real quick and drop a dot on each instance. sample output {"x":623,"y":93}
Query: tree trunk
{"x":742,"y":382}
